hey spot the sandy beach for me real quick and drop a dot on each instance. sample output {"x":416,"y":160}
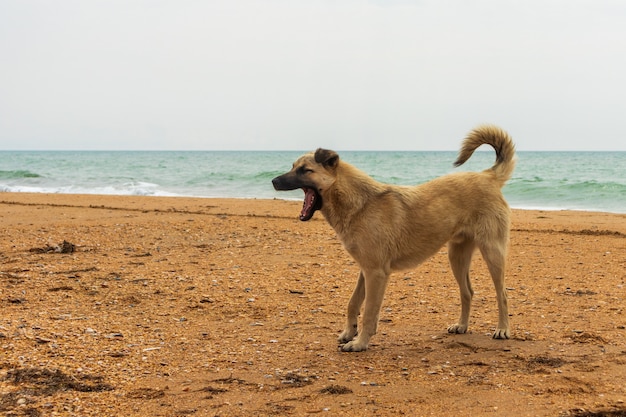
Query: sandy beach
{"x":203,"y":307}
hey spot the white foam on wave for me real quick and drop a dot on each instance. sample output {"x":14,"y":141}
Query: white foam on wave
{"x":138,"y":189}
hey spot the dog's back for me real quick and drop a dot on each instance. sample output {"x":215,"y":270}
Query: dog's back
{"x":409,"y":223}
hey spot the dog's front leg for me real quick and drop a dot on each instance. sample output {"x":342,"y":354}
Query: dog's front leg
{"x":375,"y":284}
{"x":354,"y":308}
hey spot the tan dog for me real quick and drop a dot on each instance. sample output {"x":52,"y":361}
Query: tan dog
{"x":390,"y":228}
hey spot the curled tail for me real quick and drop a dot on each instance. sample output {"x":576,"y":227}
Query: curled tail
{"x":499,"y":140}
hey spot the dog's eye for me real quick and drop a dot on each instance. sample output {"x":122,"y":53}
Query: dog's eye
{"x":304,"y":170}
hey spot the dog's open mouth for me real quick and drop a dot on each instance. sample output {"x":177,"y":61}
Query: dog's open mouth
{"x":312,"y":202}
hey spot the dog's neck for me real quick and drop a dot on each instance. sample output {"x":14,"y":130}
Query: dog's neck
{"x":347,"y":197}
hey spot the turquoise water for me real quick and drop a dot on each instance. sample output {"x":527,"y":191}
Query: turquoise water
{"x":542,"y":180}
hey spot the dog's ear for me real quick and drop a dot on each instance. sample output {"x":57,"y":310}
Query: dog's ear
{"x":326,"y":157}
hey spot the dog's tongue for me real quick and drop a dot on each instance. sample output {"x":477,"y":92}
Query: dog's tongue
{"x":307,"y":206}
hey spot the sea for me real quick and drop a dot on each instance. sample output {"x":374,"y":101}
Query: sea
{"x":591,"y":181}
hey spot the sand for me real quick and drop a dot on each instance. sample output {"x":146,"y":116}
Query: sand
{"x":203,"y":307}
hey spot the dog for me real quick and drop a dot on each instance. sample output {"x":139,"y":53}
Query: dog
{"x":388,"y":228}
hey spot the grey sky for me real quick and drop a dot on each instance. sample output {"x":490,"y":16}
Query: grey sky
{"x":296,"y":74}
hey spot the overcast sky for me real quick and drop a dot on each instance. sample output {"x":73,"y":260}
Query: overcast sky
{"x":300,"y":74}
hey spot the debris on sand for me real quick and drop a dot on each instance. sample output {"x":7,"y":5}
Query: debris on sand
{"x":336,"y":390}
{"x":64,"y":247}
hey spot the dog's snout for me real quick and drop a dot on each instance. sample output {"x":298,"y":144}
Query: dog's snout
{"x":280,"y":184}
{"x":285,"y":182}
{"x":276,"y":182}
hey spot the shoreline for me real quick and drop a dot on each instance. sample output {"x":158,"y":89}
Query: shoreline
{"x":97,"y":195}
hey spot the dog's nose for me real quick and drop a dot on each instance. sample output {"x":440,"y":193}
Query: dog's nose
{"x":281,"y":183}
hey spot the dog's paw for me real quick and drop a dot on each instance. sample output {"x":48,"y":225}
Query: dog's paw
{"x":502,"y":334}
{"x":354,"y":346}
{"x":457,"y":328}
{"x":347,"y":335}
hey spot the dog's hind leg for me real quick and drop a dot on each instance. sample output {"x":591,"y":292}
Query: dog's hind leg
{"x":460,"y":256}
{"x":375,"y":284}
{"x":495,"y":257}
{"x":354,"y":308}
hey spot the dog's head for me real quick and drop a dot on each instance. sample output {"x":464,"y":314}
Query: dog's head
{"x":314,"y":173}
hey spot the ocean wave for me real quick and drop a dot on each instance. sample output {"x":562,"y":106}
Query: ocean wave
{"x":592,"y":195}
{"x":134,"y":188}
{"x":573,"y":189}
{"x":269,"y":175}
{"x":17,"y":174}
